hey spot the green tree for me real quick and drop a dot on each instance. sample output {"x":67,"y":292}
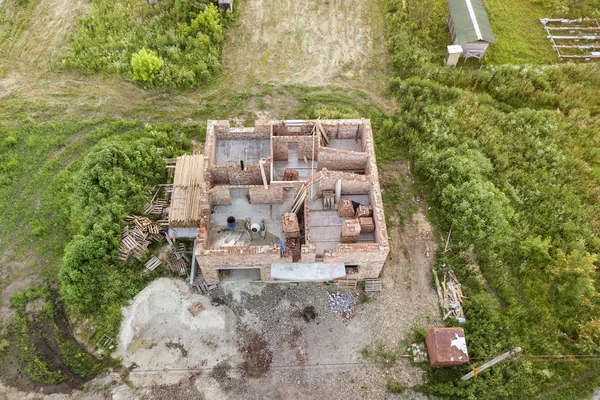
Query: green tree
{"x":145,"y":64}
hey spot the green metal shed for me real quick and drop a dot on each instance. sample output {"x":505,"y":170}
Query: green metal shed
{"x":470,"y":27}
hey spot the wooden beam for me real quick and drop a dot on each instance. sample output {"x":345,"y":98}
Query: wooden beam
{"x":592,"y":37}
{"x":489,"y":364}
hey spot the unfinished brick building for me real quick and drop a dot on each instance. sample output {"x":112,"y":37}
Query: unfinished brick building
{"x":286,"y":200}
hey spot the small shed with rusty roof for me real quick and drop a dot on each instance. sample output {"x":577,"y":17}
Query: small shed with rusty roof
{"x":470,"y":27}
{"x":446,"y":347}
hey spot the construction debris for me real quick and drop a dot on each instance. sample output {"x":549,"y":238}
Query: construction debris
{"x":450,"y":294}
{"x":419,"y":352}
{"x":342,"y":303}
{"x":201,"y":285}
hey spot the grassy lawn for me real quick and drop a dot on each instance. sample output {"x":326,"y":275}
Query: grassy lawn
{"x":520,"y":36}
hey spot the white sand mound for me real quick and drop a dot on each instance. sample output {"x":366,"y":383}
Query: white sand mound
{"x":159,"y":333}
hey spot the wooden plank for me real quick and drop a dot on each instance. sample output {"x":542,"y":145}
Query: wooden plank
{"x":589,"y":37}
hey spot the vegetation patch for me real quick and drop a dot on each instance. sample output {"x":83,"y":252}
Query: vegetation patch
{"x":174,"y":44}
{"x":45,"y":351}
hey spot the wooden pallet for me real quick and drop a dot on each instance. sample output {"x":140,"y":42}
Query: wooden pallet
{"x":178,"y":265}
{"x":373,"y":285}
{"x":153,"y":263}
{"x":346,"y":283}
{"x":196,"y":308}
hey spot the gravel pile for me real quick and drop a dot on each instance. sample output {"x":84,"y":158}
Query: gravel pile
{"x":342,"y":303}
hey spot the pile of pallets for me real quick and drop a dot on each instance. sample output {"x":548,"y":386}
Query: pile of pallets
{"x":178,"y":261}
{"x":137,"y":236}
{"x":156,"y":208}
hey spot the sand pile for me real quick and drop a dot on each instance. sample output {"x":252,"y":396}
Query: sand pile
{"x":159,"y":333}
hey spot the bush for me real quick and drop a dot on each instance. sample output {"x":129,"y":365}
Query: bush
{"x":145,"y":65}
{"x":180,"y":41}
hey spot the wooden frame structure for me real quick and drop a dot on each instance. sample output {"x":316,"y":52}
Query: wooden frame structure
{"x":571,"y":32}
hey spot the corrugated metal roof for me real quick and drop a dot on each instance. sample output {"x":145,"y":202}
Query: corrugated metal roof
{"x":470,"y":21}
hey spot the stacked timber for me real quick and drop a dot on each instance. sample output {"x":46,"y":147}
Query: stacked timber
{"x":186,"y":208}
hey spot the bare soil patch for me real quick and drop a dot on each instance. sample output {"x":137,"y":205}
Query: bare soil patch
{"x":308,"y":41}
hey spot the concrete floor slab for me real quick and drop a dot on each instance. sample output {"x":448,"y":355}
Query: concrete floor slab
{"x":346,"y":144}
{"x":230,"y":151}
{"x":241,"y":209}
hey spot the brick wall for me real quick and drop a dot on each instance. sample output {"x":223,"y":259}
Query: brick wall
{"x":308,"y":253}
{"x":273,"y":195}
{"x":242,"y":133}
{"x":219,"y":195}
{"x":351,"y":184}
{"x":338,"y":159}
{"x":305,"y":147}
{"x":220,"y":175}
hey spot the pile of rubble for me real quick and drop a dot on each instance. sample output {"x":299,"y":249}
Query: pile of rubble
{"x":342,"y":303}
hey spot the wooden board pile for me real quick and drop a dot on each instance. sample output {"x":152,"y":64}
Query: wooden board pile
{"x":186,"y":208}
{"x":450,"y":294}
{"x":137,"y":236}
{"x":574,"y":39}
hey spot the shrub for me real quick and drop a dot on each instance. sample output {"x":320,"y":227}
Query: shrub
{"x":145,"y":65}
{"x":180,"y":42}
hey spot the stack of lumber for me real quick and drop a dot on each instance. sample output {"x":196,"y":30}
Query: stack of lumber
{"x":186,"y":208}
{"x":137,"y":236}
{"x":450,"y":294}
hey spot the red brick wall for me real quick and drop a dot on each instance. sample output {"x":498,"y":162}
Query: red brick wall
{"x":273,"y":195}
{"x":219,"y":195}
{"x":337,"y":159}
